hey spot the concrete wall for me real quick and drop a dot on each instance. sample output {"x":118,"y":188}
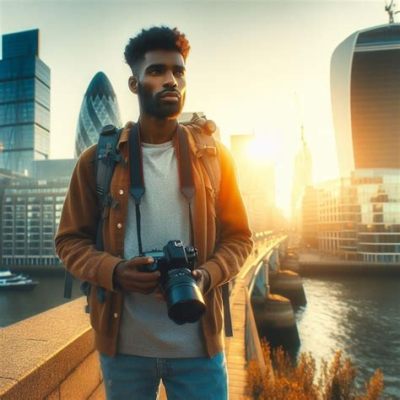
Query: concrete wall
{"x":50,"y":356}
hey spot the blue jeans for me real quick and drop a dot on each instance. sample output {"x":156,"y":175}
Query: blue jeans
{"x":128,"y":377}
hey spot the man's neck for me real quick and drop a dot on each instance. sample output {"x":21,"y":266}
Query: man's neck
{"x":156,"y":131}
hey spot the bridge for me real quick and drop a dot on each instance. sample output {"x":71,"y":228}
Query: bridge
{"x":52,"y":356}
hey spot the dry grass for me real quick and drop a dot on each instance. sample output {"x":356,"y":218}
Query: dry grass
{"x":284,"y":381}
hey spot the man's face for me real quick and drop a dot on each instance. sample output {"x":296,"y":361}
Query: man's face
{"x":161,"y":84}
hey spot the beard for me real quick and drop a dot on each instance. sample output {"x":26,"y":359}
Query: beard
{"x":153,"y":105}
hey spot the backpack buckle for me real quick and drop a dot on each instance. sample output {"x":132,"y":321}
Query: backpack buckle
{"x":107,"y":129}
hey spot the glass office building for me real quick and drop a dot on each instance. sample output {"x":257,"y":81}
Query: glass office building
{"x":24,"y":102}
{"x":30,"y":210}
{"x":99,"y":108}
{"x":356,"y":218}
{"x":365,"y":90}
{"x":30,"y":215}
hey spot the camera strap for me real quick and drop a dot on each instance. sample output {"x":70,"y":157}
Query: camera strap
{"x":136,"y":174}
{"x":185,"y":174}
{"x":137,"y":188}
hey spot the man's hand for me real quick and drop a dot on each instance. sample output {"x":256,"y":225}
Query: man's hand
{"x":202,"y":279}
{"x":127,"y":277}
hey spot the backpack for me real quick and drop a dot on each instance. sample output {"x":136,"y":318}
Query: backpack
{"x":107,"y":157}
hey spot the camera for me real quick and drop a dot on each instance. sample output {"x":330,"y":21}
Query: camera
{"x":176,"y":262}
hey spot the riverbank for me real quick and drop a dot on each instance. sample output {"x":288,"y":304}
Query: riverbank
{"x":312,"y":264}
{"x":37,"y":270}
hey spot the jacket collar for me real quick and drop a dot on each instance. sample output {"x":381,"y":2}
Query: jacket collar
{"x":125,"y":134}
{"x":123,"y":140}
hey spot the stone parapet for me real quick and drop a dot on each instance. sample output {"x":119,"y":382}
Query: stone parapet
{"x":50,"y":356}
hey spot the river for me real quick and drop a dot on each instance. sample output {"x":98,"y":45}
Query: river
{"x":361,"y":317}
{"x":358,"y":315}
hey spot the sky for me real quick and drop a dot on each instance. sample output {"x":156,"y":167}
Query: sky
{"x":259,"y":67}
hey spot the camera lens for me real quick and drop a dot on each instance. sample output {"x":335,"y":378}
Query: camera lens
{"x":185,"y":301}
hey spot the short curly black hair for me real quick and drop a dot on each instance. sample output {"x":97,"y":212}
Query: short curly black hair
{"x":155,"y":38}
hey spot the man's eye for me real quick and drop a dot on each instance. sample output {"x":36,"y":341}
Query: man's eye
{"x":179,"y":73}
{"x":155,"y":71}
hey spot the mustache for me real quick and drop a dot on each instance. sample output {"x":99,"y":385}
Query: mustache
{"x":169,"y":91}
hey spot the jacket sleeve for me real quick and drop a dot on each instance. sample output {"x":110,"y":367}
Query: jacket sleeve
{"x":234,"y":243}
{"x":76,"y":236}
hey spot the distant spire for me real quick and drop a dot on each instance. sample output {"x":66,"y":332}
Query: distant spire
{"x":390,"y":8}
{"x":302,"y":134}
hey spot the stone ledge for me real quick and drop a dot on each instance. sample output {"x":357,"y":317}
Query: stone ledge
{"x":38,"y":353}
{"x":83,"y":380}
{"x":99,"y":393}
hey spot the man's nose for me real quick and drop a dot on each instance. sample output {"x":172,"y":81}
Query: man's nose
{"x":170,"y":80}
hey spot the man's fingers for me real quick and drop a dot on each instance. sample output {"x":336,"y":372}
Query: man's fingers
{"x":133,"y":280}
{"x":131,"y":270}
{"x":138,"y":261}
{"x":196,"y":274}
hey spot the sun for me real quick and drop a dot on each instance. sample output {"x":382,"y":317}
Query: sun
{"x":262,"y":150}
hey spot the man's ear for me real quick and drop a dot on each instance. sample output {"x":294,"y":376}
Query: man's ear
{"x":132,"y":83}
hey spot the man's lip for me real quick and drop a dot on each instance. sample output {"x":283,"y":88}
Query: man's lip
{"x":174,"y":95}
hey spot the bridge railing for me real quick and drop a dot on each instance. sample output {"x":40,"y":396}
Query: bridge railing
{"x":245,"y":343}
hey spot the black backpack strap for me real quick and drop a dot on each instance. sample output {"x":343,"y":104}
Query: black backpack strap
{"x":68,"y":281}
{"x":106,"y":159}
{"x":227,"y":310}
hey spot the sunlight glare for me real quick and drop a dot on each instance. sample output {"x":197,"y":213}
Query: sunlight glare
{"x":263,"y":150}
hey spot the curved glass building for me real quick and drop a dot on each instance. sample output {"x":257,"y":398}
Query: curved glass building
{"x":365,"y":90}
{"x":99,"y":107}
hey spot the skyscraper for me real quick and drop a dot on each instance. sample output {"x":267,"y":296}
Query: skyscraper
{"x":365,"y":88}
{"x":302,"y":177}
{"x":99,"y":108}
{"x":24,"y":102}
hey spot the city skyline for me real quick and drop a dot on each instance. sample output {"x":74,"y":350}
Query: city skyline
{"x":266,"y":72}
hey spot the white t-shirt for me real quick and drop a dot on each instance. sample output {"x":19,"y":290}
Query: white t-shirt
{"x":146,"y":329}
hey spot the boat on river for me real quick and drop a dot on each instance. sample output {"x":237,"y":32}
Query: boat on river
{"x":11,"y":281}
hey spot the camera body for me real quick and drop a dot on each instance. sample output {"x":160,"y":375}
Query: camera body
{"x":176,"y":262}
{"x":174,"y":255}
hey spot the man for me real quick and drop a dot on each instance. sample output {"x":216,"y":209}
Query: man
{"x":138,"y":344}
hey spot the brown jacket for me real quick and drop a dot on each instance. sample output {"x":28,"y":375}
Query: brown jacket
{"x":75,"y":239}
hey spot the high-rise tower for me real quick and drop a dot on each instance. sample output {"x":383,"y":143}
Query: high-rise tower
{"x":99,"y":108}
{"x":365,"y":88}
{"x":24,"y":102}
{"x":302,"y":177}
